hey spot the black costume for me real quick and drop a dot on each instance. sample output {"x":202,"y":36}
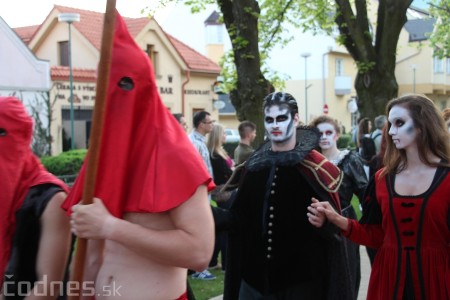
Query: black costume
{"x":354,"y":182}
{"x":22,"y":264}
{"x":273,"y":249}
{"x":222,"y":173}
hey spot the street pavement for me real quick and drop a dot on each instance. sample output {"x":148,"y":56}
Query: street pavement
{"x":365,"y":274}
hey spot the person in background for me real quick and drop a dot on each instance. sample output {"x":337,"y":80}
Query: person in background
{"x":364,"y":129}
{"x":222,"y":165}
{"x":407,"y":207}
{"x":247,"y":133}
{"x":377,"y":135}
{"x":203,"y":125}
{"x":446,"y":116}
{"x":354,"y":133}
{"x":182,"y":120}
{"x":367,"y":153}
{"x":274,"y":253}
{"x":34,"y":231}
{"x":354,"y":182}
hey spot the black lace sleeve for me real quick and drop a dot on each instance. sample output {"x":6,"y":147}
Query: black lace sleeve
{"x":358,"y":176}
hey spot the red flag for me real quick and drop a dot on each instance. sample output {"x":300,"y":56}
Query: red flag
{"x":147,"y":163}
{"x":19,"y":170}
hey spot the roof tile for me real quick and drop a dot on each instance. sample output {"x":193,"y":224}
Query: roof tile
{"x":91,"y":21}
{"x":194,"y":60}
{"x":79,"y":74}
{"x":26,"y":33}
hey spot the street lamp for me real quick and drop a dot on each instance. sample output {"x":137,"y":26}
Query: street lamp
{"x":414,"y":67}
{"x":306,"y":55}
{"x":69,"y":18}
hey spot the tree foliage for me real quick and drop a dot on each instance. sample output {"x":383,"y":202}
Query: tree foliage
{"x":375,"y":56}
{"x":255,"y":27}
{"x":40,"y":109}
{"x":440,"y":38}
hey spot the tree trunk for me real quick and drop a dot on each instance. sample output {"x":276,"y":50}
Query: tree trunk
{"x":375,"y":83}
{"x":374,"y":90}
{"x":241,"y":20}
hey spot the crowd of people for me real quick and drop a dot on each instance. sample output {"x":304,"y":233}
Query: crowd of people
{"x":279,"y":215}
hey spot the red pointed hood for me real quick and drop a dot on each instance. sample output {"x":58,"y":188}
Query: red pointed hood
{"x":147,"y":163}
{"x":19,"y":169}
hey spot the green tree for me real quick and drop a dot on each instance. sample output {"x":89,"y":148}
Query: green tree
{"x":40,"y":109}
{"x":255,"y":27}
{"x":440,"y":38}
{"x":374,"y":56}
{"x":254,"y":30}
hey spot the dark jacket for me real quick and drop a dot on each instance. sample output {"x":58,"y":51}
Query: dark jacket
{"x":268,"y":219}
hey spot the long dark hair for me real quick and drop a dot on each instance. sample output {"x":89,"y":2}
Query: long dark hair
{"x":433,"y":137}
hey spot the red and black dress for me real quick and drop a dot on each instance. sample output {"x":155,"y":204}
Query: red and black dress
{"x":412,"y":236}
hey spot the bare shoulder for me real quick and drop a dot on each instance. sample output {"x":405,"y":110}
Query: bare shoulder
{"x":53,"y":209}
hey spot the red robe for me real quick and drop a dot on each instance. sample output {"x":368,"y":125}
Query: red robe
{"x":412,"y":236}
{"x":147,"y":163}
{"x":19,"y":170}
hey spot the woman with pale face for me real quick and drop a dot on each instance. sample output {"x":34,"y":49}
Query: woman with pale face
{"x":353,"y":182}
{"x":407,"y":206}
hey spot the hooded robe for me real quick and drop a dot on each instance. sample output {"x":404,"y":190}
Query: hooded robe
{"x":147,"y":163}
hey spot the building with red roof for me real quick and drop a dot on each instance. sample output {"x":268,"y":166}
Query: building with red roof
{"x":184,"y":76}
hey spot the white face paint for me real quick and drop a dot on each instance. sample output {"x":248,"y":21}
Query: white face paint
{"x":279,"y":123}
{"x":328,"y":136}
{"x":401,"y":129}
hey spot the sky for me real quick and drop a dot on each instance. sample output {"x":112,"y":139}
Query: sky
{"x":173,"y":19}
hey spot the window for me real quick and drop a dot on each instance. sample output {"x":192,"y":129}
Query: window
{"x":153,"y":55}
{"x":214,"y":34}
{"x":448,"y":65}
{"x":339,"y":67}
{"x":438,"y":65}
{"x":63,"y":53}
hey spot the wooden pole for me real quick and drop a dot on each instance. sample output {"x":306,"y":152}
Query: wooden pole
{"x":96,"y":137}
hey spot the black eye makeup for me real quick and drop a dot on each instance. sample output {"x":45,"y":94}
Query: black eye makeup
{"x":269,"y":120}
{"x":399,"y":122}
{"x":3,"y":132}
{"x":282,"y":118}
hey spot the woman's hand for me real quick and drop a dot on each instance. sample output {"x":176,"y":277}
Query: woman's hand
{"x":319,"y":211}
{"x":315,"y":217}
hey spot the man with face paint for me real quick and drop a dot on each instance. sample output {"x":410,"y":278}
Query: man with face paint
{"x":34,"y":230}
{"x":406,"y":207}
{"x":354,"y":182}
{"x":274,"y":253}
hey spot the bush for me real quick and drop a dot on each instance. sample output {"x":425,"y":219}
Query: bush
{"x":66,"y":163}
{"x":344,"y":141}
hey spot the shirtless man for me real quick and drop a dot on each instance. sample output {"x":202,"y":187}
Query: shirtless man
{"x":146,"y":255}
{"x":153,"y":221}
